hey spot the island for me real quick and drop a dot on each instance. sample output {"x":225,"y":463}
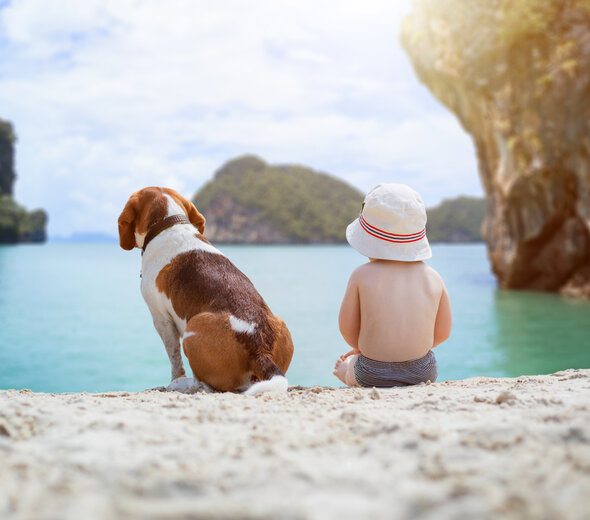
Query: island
{"x":249,"y":201}
{"x":17,"y":225}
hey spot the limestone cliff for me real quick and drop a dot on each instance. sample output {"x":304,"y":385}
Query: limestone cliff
{"x":16,"y":223}
{"x":517,"y":75}
{"x":250,"y":201}
{"x":7,"y":175}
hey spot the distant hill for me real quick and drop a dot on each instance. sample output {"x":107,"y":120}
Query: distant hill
{"x":456,"y":220}
{"x":16,"y":223}
{"x":250,"y":201}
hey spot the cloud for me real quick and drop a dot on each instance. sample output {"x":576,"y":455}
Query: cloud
{"x":109,"y":96}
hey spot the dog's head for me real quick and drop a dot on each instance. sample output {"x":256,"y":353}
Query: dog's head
{"x":146,"y":207}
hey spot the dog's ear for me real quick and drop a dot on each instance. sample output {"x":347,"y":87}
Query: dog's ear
{"x":194,"y":216}
{"x":192,"y":213}
{"x":127,"y":223}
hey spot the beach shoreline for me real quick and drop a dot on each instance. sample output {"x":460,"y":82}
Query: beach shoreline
{"x":475,"y":448}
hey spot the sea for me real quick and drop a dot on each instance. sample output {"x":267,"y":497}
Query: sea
{"x":72,"y":318}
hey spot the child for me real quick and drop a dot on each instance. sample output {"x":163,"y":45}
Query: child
{"x":396,"y":308}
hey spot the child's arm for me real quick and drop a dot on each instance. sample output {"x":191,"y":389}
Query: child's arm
{"x":349,"y":319}
{"x":444,"y":319}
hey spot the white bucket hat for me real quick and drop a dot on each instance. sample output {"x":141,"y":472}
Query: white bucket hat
{"x":391,"y":226}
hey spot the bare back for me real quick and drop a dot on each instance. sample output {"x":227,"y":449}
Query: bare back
{"x":398,"y":306}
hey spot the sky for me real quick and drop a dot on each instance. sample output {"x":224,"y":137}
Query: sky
{"x":109,"y":96}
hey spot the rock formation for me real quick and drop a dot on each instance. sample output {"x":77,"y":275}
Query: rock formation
{"x":16,"y":223}
{"x":250,"y":201}
{"x":7,"y":175}
{"x":230,"y":222}
{"x":517,"y":75}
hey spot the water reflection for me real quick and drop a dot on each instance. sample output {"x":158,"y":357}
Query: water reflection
{"x":539,"y":333}
{"x":470,"y":349}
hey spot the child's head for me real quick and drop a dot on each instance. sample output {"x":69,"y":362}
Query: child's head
{"x":391,"y":225}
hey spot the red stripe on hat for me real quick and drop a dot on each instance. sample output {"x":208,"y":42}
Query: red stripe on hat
{"x":390,"y":237}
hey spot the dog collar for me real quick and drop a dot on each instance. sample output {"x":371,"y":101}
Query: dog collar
{"x":163,"y":225}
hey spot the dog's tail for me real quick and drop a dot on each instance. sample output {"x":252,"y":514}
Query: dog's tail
{"x":272,"y":377}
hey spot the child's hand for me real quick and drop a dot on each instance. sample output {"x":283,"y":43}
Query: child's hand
{"x":353,"y":352}
{"x":344,"y":369}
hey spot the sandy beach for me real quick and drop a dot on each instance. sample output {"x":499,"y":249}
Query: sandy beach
{"x":478,"y":448}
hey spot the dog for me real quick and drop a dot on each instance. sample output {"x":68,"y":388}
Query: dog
{"x":232,"y":340}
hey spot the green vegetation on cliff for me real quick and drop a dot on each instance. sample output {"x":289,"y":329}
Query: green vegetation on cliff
{"x":516,"y":73}
{"x":305,"y":206}
{"x":7,"y":175}
{"x":16,"y":223}
{"x":521,"y":20}
{"x":456,"y":220}
{"x":19,"y":225}
{"x":250,"y":201}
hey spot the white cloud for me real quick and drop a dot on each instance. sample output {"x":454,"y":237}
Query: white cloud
{"x":109,"y":95}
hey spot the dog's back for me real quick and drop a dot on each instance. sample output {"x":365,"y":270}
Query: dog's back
{"x":231,"y":336}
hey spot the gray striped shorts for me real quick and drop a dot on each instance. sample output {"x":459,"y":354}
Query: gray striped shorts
{"x":383,"y":374}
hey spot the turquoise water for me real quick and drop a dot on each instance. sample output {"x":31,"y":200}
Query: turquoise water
{"x":72,"y":318}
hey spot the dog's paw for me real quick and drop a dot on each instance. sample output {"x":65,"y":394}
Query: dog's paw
{"x":186,"y":385}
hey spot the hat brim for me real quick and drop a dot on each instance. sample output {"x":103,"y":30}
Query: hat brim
{"x":373,"y":247}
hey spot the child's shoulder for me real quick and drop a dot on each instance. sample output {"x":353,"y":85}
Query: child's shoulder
{"x":431,"y":271}
{"x":388,"y":268}
{"x":359,"y":271}
{"x":379,"y":268}
{"x":363,"y":271}
{"x":434,"y":277}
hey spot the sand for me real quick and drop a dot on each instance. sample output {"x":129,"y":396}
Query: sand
{"x":474,"y":449}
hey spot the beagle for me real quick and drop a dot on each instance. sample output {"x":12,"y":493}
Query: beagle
{"x":195,"y":294}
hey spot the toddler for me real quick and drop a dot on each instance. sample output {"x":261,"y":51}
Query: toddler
{"x":395,"y":308}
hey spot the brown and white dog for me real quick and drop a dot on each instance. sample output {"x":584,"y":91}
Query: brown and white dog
{"x":229,"y":335}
